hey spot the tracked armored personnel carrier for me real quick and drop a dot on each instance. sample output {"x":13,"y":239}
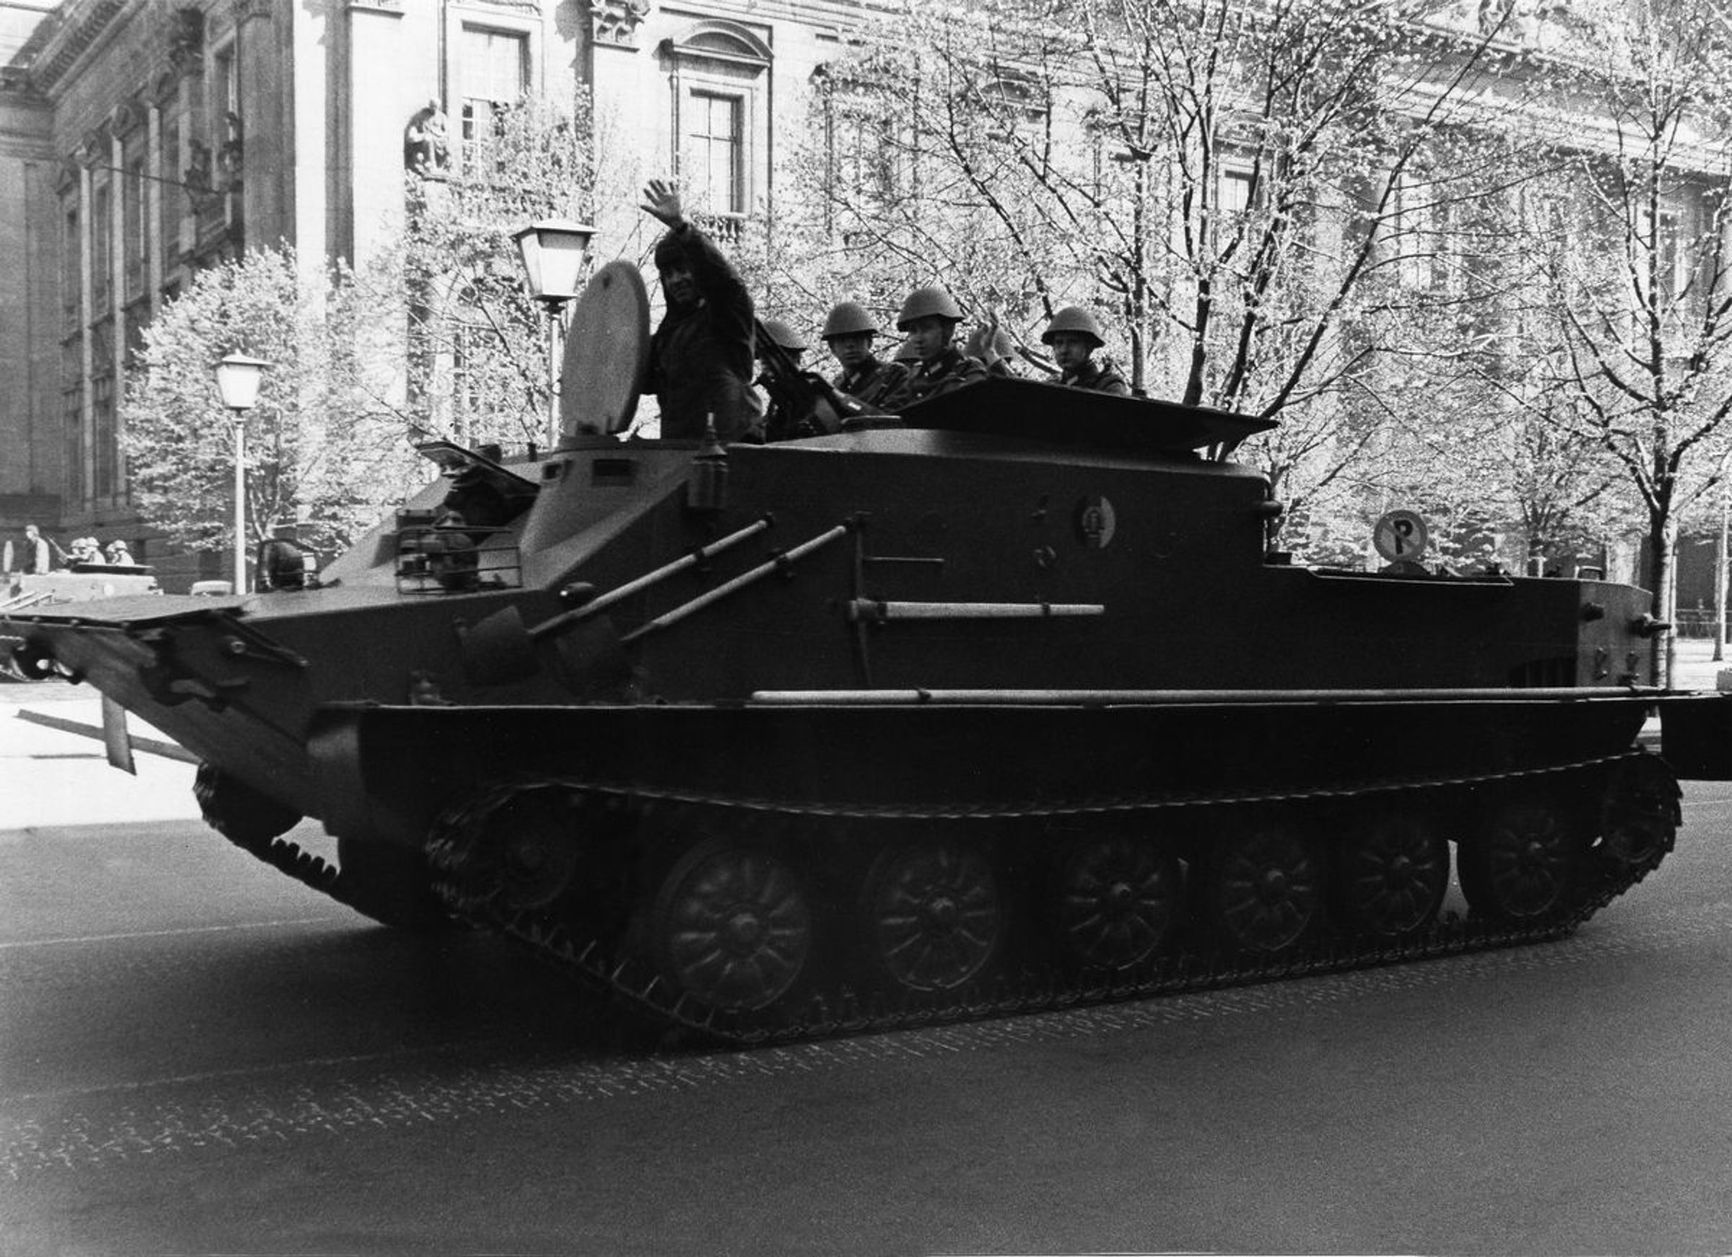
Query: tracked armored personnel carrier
{"x":999,"y":704}
{"x":81,"y":582}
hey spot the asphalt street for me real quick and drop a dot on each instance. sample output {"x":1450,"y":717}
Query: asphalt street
{"x":199,"y":1056}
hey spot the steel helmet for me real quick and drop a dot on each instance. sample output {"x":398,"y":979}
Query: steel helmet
{"x":847,"y":319}
{"x":926,"y":301}
{"x":784,"y":335}
{"x":1073,"y":319}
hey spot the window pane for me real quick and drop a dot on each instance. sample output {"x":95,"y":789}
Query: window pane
{"x":714,"y":163}
{"x":1235,"y":191}
{"x":493,"y":68}
{"x":72,"y":276}
{"x":173,"y":199}
{"x":101,"y":238}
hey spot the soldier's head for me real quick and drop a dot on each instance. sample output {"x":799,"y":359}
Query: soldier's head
{"x":929,"y":317}
{"x":30,"y":531}
{"x":679,"y":285}
{"x":848,"y":332}
{"x":786,"y":337}
{"x":1073,"y":335}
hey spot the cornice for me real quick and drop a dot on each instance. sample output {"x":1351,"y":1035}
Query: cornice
{"x":66,"y":36}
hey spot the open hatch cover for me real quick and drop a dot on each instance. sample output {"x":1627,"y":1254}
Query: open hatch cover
{"x":1071,"y":416}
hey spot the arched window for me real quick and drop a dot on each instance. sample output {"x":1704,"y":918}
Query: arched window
{"x":719,"y":75}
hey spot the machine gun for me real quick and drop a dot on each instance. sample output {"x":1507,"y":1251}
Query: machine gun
{"x":804,"y":402}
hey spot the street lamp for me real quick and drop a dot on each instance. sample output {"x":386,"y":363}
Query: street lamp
{"x":237,"y":380}
{"x":553,"y":251}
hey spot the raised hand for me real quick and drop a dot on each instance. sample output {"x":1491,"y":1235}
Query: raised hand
{"x":661,"y":197}
{"x":986,"y":342}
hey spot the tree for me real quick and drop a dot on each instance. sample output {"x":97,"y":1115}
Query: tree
{"x":1256,"y":190}
{"x":1647,"y":321}
{"x":477,"y":365}
{"x":322,"y":457}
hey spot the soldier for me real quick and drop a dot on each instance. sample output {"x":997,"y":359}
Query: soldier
{"x":930,"y":316}
{"x":700,"y":362}
{"x":780,"y":424}
{"x":33,"y":556}
{"x":848,"y":332}
{"x":1074,"y":336}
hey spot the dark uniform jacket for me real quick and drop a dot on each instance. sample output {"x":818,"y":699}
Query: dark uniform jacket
{"x":871,"y":382}
{"x":1098,"y":377}
{"x":950,"y":370}
{"x":700,"y":358}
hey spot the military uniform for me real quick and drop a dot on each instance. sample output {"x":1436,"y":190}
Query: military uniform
{"x":950,"y":370}
{"x":1097,"y":377}
{"x":871,"y":382}
{"x":700,"y":360}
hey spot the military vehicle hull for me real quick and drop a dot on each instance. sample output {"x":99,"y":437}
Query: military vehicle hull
{"x":1005,"y":705}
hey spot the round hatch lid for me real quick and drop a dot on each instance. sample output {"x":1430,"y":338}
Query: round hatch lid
{"x":606,"y":349}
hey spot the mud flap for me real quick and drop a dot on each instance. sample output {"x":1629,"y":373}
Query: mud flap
{"x":115,"y":736}
{"x":1696,"y":736}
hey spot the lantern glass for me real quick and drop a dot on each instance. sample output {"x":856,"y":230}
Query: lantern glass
{"x":553,"y":251}
{"x":237,"y":378}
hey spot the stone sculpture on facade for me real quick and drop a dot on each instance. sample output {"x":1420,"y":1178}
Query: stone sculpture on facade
{"x":426,"y":143}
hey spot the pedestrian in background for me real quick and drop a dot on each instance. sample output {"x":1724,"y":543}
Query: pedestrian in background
{"x":33,"y":555}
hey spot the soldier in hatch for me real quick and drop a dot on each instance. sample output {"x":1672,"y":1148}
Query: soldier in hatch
{"x":929,"y":316}
{"x":849,"y":331}
{"x":1074,"y":335}
{"x":779,"y":423}
{"x":700,"y":361}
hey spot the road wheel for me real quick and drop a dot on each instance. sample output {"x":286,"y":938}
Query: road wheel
{"x":1266,"y":887}
{"x":732,"y":926}
{"x":1639,"y":816}
{"x":1522,"y":866}
{"x":529,"y":853}
{"x":933,"y":914}
{"x":1118,"y":900}
{"x":1391,"y":874}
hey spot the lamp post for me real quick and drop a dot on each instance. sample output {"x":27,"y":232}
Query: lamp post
{"x":553,"y":251}
{"x":237,"y":379}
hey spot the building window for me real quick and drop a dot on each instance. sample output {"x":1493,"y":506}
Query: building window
{"x":1235,"y":197}
{"x":494,"y":77}
{"x":1420,"y":236}
{"x":719,"y":73}
{"x":135,"y":211}
{"x":714,"y":152}
{"x":102,"y":408}
{"x":101,"y":241}
{"x":225,"y":99}
{"x":1237,"y":184}
{"x":173,"y":201}
{"x":1671,"y":260}
{"x":71,"y":268}
{"x":72,"y":414}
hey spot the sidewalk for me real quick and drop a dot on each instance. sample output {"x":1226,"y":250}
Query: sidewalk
{"x":1696,"y":666}
{"x":49,"y":778}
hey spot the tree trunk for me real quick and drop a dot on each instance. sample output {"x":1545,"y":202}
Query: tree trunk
{"x":1720,"y":583}
{"x":1662,"y":536}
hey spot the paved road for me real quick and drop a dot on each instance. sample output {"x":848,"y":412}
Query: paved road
{"x":197,"y":1056}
